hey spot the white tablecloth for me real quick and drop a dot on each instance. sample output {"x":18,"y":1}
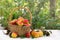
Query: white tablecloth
{"x":54,"y":36}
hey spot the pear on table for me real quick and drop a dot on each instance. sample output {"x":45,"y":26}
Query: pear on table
{"x":14,"y":35}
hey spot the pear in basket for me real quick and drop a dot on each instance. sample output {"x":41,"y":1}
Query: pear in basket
{"x":20,"y":21}
{"x":26,"y":22}
{"x":13,"y":22}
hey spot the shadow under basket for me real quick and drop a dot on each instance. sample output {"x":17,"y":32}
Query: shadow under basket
{"x":20,"y":30}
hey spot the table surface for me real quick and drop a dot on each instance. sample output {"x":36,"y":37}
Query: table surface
{"x":54,"y":36}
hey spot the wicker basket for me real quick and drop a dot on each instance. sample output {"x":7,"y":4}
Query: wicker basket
{"x":15,"y":28}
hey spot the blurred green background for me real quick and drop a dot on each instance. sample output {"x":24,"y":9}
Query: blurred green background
{"x":46,"y":13}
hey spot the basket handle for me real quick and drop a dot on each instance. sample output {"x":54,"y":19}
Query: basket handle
{"x":10,"y":15}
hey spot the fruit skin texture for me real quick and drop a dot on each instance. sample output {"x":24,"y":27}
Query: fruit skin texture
{"x":13,"y":22}
{"x":26,"y":21}
{"x":36,"y":34}
{"x":20,"y":21}
{"x":40,"y":33}
{"x":27,"y":34}
{"x":14,"y":35}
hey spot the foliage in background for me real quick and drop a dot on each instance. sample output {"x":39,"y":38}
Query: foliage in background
{"x":39,"y":9}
